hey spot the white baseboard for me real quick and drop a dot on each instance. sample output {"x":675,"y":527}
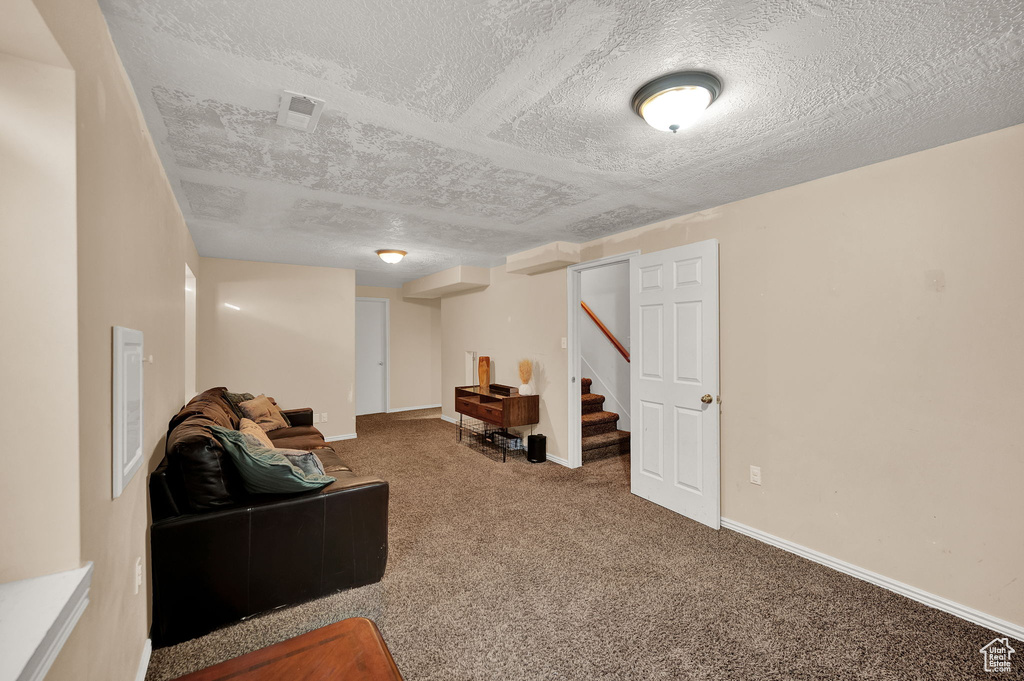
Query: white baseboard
{"x":335,"y":438}
{"x":559,"y":460}
{"x":422,"y":406}
{"x":449,"y":419}
{"x":911,"y":592}
{"x":147,"y":651}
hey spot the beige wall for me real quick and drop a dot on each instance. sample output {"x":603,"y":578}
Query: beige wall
{"x":415,"y":346}
{"x":132,"y":245}
{"x":293,"y":339}
{"x":518,"y":316}
{"x":871,"y":363}
{"x":871,"y":335}
{"x":38,"y":300}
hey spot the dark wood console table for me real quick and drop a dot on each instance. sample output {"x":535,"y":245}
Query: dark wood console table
{"x":503,"y":411}
{"x":496,"y":413}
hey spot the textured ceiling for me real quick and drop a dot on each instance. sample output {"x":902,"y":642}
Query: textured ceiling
{"x":466,"y":130}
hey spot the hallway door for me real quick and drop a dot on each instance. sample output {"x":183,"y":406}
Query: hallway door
{"x":371,"y":355}
{"x":674,"y":377}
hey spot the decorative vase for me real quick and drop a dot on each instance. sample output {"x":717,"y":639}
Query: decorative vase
{"x":483,"y":369}
{"x":525,"y":376}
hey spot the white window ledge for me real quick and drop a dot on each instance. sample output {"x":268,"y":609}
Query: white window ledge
{"x":36,"y":617}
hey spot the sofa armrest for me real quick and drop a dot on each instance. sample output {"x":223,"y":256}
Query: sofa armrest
{"x":214,"y":568}
{"x":299,"y":417}
{"x":161,"y":493}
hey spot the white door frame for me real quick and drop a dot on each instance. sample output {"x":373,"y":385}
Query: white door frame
{"x":387,"y":347}
{"x":573,"y":278}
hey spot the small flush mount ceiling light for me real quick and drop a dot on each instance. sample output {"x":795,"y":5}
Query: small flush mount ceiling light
{"x":390,"y":256}
{"x":676,"y":101}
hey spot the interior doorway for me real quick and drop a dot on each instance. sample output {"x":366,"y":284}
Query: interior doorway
{"x":674,"y":413}
{"x":372,"y":365}
{"x":599,"y":360}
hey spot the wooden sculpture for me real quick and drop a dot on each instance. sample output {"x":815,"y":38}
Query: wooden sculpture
{"x":484,"y":372}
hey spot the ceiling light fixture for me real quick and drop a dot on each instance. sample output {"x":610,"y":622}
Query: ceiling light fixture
{"x":390,"y":256}
{"x":676,"y":101}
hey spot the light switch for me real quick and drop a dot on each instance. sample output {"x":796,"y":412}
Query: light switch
{"x":565,"y":343}
{"x":316,"y":417}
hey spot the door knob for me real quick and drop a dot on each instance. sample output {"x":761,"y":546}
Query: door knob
{"x":706,"y":399}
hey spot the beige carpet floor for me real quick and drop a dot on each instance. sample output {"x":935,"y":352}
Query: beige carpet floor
{"x":536,"y":572}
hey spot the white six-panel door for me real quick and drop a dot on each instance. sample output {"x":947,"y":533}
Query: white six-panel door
{"x":371,"y":356}
{"x":674,"y":444}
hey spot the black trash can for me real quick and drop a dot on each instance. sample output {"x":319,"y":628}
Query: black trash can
{"x":537,"y":448}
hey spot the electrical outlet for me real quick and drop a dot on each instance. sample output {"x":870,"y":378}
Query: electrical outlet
{"x":755,"y":475}
{"x":565,"y":343}
{"x":138,"y":575}
{"x":323,"y":417}
{"x":316,"y":417}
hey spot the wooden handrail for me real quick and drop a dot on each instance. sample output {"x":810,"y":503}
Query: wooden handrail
{"x":604,"y":329}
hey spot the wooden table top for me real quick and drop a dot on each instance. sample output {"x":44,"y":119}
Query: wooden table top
{"x":351,"y":649}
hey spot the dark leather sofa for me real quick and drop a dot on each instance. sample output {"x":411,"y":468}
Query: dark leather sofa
{"x":221,"y":554}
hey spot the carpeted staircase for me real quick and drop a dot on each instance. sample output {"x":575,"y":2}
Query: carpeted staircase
{"x":601,"y":434}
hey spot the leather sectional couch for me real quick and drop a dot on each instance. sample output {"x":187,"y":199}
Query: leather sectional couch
{"x":221,"y":554}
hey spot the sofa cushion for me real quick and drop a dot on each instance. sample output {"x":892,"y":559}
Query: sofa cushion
{"x":250,"y":427}
{"x":331,"y":461}
{"x":267,"y":471}
{"x":297,"y":437}
{"x":264,"y":412}
{"x":208,"y":476}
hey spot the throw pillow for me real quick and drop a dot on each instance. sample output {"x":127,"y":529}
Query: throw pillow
{"x":283,"y":415}
{"x":266,"y":471}
{"x":234,"y":399}
{"x":307,"y":462}
{"x":266,"y":414}
{"x":253,"y":442}
{"x":250,"y":427}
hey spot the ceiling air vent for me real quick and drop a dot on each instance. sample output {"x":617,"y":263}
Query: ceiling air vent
{"x":299,"y":112}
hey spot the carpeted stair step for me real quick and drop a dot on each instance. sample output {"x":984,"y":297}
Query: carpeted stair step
{"x":600,"y":446}
{"x":600,"y":422}
{"x":585,"y":384}
{"x":592,"y":403}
